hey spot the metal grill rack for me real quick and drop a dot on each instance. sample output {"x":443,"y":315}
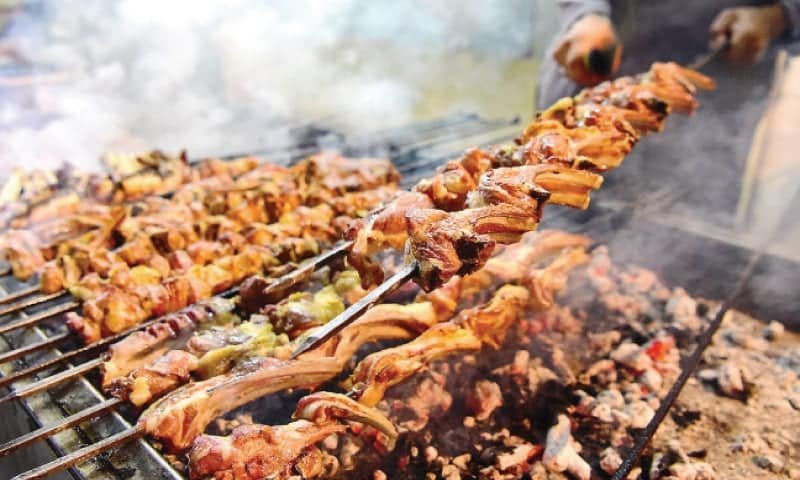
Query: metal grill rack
{"x":416,"y":148}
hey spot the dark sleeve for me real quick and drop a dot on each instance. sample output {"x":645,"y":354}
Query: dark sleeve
{"x":572,"y":10}
{"x":792,"y":9}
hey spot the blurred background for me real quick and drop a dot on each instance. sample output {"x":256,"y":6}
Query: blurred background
{"x":79,"y":78}
{"x":82,"y":78}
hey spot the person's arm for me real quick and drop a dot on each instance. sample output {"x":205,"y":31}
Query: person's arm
{"x":791,"y":9}
{"x":572,"y":10}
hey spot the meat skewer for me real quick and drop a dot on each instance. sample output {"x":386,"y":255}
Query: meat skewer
{"x":507,"y":201}
{"x":94,"y":213}
{"x":475,"y":257}
{"x":355,"y":202}
{"x":468,"y":331}
{"x":213,"y":195}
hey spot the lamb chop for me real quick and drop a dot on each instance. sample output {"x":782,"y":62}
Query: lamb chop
{"x":181,"y":416}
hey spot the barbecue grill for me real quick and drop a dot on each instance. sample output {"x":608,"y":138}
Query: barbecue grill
{"x":416,"y":148}
{"x":416,"y":151}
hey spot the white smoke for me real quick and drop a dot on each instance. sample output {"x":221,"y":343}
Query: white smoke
{"x":214,"y":76}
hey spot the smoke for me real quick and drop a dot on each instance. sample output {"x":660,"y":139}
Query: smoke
{"x":216,"y":77}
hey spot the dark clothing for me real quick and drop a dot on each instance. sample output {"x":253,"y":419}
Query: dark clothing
{"x":705,"y":154}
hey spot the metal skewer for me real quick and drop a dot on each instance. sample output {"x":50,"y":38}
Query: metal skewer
{"x":31,"y":302}
{"x":292,"y":278}
{"x":52,"y":381}
{"x":357,"y":309}
{"x":71,"y":421}
{"x":40,"y":317}
{"x":84,"y":453}
{"x":33,"y":347}
{"x":19,"y":294}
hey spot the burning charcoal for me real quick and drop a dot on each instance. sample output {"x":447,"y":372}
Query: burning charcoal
{"x":683,"y":310}
{"x":483,"y":399}
{"x":462,"y":461}
{"x":632,"y":356}
{"x":610,"y":460}
{"x":516,"y":460}
{"x":640,"y":414}
{"x":469,"y":422}
{"x":450,"y":472}
{"x":612,"y":397}
{"x":431,"y":454}
{"x":379,"y":475}
{"x":691,"y":471}
{"x":774,"y":331}
{"x":772,"y":463}
{"x":728,"y":377}
{"x":560,"y":454}
{"x":651,"y":379}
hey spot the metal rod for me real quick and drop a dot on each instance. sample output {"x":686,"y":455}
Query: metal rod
{"x":357,"y":309}
{"x":31,"y":302}
{"x":33,"y":347}
{"x":87,"y":348}
{"x":687,"y":369}
{"x":71,"y":421}
{"x":19,"y":294}
{"x":40,"y":317}
{"x":301,"y":273}
{"x":84,"y":453}
{"x":52,"y":381}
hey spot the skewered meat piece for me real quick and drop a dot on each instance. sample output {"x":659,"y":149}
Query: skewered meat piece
{"x":142,"y":347}
{"x":381,"y":370}
{"x":458,"y":243}
{"x":323,"y":176}
{"x":384,"y":229}
{"x":260,"y":451}
{"x":217,"y":349}
{"x":487,"y":323}
{"x":182,"y":415}
{"x":448,"y":189}
{"x":589,"y":144}
{"x":668,"y":82}
{"x":328,"y":407}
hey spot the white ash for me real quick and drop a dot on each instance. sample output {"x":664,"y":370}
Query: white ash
{"x":772,"y":463}
{"x":683,"y":310}
{"x":560,"y":454}
{"x":610,"y":460}
{"x":728,"y":377}
{"x":651,"y":379}
{"x":484,"y":398}
{"x":516,"y":460}
{"x":691,"y":471}
{"x":632,"y":356}
{"x":640,"y":414}
{"x":379,"y":475}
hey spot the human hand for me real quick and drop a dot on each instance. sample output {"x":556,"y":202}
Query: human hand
{"x":591,"y":33}
{"x":748,"y":31}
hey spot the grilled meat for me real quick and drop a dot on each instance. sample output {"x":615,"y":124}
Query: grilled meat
{"x":260,"y":451}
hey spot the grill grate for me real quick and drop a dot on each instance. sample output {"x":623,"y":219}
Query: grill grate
{"x":418,"y":146}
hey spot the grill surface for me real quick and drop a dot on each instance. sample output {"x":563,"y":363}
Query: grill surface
{"x":632,"y":234}
{"x":416,"y":150}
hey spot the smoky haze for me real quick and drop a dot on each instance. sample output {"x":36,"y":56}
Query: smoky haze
{"x":214,"y":76}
